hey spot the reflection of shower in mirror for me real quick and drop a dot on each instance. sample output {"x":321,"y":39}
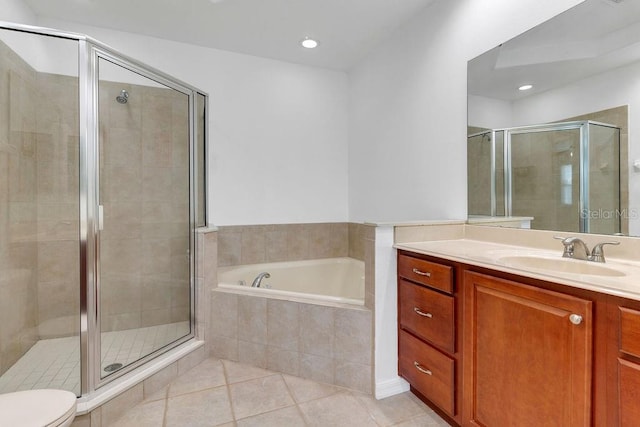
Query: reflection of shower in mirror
{"x":123,"y":98}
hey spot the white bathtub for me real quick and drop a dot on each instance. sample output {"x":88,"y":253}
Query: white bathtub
{"x":333,"y":280}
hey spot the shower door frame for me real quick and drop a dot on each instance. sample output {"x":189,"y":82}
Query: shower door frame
{"x":95,"y":52}
{"x":89,"y":51}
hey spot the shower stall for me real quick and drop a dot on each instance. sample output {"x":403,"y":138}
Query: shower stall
{"x":101,"y":189}
{"x":565,"y":175}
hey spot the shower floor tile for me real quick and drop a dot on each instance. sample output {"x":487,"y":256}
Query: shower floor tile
{"x":55,"y":363}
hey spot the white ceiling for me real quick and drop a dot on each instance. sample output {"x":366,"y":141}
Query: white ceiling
{"x":346,"y":29}
{"x":591,"y":38}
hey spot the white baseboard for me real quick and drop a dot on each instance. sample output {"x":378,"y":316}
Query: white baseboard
{"x":391,"y":387}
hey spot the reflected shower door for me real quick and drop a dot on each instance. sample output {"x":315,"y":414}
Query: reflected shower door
{"x":479,"y":169}
{"x":145,"y":233}
{"x":545,"y":178}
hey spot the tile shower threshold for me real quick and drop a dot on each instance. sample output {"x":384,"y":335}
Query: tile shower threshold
{"x":87,"y":404}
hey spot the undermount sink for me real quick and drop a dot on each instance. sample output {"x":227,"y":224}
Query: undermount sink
{"x":560,"y":265}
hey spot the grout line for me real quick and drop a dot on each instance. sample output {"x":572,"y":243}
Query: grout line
{"x":226,"y":383}
{"x":166,"y":409}
{"x":296,"y":403}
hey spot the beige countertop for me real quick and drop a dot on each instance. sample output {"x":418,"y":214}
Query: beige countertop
{"x":497,"y":256}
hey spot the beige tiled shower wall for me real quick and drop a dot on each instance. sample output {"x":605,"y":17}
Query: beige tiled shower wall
{"x":58,"y":209}
{"x":145,"y":193}
{"x":255,"y":244}
{"x":18,"y":208}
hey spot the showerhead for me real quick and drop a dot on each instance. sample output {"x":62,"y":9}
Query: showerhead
{"x":123,"y":97}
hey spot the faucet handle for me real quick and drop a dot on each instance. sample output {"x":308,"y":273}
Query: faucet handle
{"x":568,"y":246}
{"x":597,"y":254}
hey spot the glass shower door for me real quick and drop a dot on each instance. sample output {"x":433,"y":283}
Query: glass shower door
{"x":144,"y":243}
{"x":480,"y":166}
{"x":39,"y":213}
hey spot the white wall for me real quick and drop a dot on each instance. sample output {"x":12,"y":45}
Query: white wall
{"x":16,"y":11}
{"x":408,"y":102}
{"x":278,"y":131}
{"x":407,"y":130}
{"x":489,"y":113}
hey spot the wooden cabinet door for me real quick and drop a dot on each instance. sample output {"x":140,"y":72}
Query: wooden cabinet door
{"x":527,"y":360}
{"x":629,"y":380}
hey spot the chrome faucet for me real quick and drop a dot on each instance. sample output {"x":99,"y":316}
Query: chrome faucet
{"x":570,"y":243}
{"x":258,"y":279}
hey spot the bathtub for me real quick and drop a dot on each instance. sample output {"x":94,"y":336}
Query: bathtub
{"x":331,"y":280}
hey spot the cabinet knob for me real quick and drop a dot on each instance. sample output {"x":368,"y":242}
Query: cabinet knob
{"x":422,"y":313}
{"x":421,"y":369}
{"x":576,"y":319}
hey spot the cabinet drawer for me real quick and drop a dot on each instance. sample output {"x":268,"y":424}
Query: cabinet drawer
{"x":427,"y":314}
{"x":630,"y":331}
{"x":428,"y":273}
{"x":429,"y":371}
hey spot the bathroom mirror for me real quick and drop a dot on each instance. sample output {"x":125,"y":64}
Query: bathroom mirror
{"x":560,"y":155}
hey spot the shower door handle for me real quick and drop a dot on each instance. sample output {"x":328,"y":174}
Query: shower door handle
{"x":100,"y":217}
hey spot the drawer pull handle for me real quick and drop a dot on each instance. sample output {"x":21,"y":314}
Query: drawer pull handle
{"x":576,"y":319}
{"x":422,"y":313}
{"x":421,"y":369}
{"x":421,"y":273}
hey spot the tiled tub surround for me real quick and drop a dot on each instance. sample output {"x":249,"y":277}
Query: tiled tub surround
{"x":330,"y":344}
{"x":255,"y":244}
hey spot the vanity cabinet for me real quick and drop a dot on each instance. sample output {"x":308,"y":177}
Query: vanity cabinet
{"x":428,"y":340}
{"x":625,"y":355}
{"x":527,"y":356}
{"x":484,"y":347}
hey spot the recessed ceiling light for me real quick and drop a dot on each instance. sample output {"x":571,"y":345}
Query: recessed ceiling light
{"x":525,"y":87}
{"x":309,"y":43}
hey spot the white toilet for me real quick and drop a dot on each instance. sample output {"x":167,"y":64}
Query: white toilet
{"x":37,"y":408}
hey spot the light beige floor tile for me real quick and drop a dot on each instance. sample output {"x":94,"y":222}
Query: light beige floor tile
{"x":304,"y":390}
{"x":423,"y":421}
{"x":208,"y":374}
{"x":204,"y":408}
{"x":237,"y":372}
{"x":342,"y":409}
{"x":259,"y":395}
{"x":146,"y":414}
{"x":289,"y":417}
{"x":392,"y":410}
{"x":158,"y":395}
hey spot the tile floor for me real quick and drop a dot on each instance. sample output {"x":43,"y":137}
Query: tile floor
{"x":55,"y":363}
{"x":224,"y":393}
